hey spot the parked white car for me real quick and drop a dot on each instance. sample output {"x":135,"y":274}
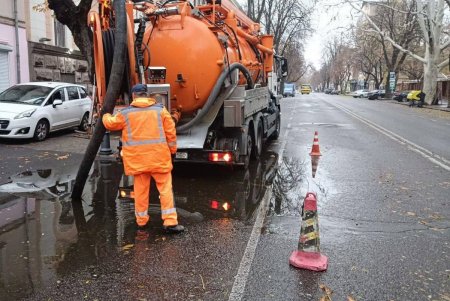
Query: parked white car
{"x":359,"y":93}
{"x":32,"y":110}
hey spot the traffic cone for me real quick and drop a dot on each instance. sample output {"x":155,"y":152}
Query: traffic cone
{"x":314,"y":164}
{"x":315,"y":151}
{"x":308,"y":254}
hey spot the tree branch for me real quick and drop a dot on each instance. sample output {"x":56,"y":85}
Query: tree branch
{"x":443,"y":64}
{"x":446,"y":44}
{"x":386,"y":37}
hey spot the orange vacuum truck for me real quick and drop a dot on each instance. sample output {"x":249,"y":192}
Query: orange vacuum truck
{"x":208,"y":63}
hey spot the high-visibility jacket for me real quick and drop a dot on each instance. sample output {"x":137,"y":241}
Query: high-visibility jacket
{"x":148,"y":136}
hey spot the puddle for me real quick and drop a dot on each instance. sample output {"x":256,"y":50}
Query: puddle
{"x":291,"y":183}
{"x":44,"y":236}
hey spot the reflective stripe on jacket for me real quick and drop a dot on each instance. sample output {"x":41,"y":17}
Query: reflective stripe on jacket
{"x":148,"y":136}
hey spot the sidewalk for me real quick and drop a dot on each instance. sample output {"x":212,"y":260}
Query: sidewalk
{"x":442,"y":106}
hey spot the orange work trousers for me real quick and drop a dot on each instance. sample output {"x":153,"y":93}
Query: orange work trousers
{"x":141,"y":196}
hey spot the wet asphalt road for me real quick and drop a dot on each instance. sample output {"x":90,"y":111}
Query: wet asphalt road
{"x":383,"y":207}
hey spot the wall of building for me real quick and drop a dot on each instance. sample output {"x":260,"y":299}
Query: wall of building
{"x":51,"y":63}
{"x":7,"y":10}
{"x":8,"y":42}
{"x":48,"y":62}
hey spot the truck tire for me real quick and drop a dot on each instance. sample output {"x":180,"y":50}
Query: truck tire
{"x":258,"y":143}
{"x":277,"y":131}
{"x":246,"y":158}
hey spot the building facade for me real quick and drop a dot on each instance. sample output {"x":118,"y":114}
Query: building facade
{"x":53,"y":53}
{"x":14,"y":57}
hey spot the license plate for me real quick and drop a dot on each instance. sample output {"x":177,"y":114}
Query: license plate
{"x":181,"y":155}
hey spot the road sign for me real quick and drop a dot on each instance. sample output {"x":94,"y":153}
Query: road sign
{"x":392,"y":80}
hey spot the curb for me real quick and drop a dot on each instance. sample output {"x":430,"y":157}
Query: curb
{"x":425,"y":107}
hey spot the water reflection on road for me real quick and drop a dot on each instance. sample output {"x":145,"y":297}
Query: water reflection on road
{"x":44,"y":236}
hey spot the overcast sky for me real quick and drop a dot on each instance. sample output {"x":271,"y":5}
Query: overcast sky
{"x":329,"y":19}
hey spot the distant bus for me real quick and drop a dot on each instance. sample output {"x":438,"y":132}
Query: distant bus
{"x":305,"y":89}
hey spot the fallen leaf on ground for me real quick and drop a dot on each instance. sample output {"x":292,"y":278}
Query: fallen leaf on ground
{"x":350,"y":298}
{"x":127,"y":247}
{"x":410,"y":213}
{"x":328,"y":292}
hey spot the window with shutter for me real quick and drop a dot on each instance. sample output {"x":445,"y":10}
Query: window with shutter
{"x":4,"y":71}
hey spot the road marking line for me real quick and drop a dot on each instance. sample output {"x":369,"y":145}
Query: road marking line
{"x":240,"y":280}
{"x":445,"y":164}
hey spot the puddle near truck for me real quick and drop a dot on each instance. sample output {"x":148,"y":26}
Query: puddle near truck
{"x":44,"y":236}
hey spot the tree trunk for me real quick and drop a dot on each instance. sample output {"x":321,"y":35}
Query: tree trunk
{"x":112,"y":93}
{"x":430,"y":74}
{"x":75,"y":18}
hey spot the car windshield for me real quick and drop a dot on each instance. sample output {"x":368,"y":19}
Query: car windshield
{"x":25,"y":94}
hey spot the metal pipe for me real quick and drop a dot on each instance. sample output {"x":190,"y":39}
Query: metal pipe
{"x":16,"y":24}
{"x":254,"y":40}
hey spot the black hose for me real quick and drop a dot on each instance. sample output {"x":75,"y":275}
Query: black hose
{"x":112,"y":92}
{"x":108,"y":51}
{"x":215,"y":93}
{"x":237,"y":41}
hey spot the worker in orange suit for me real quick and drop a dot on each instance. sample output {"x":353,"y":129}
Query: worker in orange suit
{"x":148,"y":140}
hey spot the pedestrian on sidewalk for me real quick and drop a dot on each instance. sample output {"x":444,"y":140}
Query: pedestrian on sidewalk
{"x":148,"y":139}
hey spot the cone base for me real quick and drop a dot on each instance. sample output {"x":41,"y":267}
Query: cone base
{"x":312,"y":261}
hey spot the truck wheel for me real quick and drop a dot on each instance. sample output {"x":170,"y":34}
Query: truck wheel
{"x":246,"y":158}
{"x":276,"y":134}
{"x":257,"y":149}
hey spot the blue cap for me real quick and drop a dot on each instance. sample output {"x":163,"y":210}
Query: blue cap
{"x":139,"y":88}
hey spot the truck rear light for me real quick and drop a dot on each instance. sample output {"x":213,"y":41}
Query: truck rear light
{"x":226,"y":206}
{"x":220,"y":157}
{"x":216,"y":205}
{"x":126,"y":193}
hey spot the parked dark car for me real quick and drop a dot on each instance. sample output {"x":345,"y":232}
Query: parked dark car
{"x":328,"y":91}
{"x":334,"y":92}
{"x":375,"y":94}
{"x":401,"y":96}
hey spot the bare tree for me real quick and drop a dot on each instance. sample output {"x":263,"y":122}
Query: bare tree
{"x":256,"y":9}
{"x":75,"y":18}
{"x":286,"y":20}
{"x":429,"y":16}
{"x":368,"y":57}
{"x":293,"y":52}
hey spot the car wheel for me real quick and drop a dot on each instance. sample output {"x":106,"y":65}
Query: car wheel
{"x":84,"y":125}
{"x":41,"y":131}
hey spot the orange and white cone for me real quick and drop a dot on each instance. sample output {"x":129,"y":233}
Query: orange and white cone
{"x":308,"y":254}
{"x":314,"y":163}
{"x":315,"y":151}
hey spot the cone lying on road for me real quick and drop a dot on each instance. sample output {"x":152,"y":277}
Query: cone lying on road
{"x":314,"y":163}
{"x":308,"y":254}
{"x":315,"y":151}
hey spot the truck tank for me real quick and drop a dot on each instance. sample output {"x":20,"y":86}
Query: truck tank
{"x":221,"y":71}
{"x":198,"y":43}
